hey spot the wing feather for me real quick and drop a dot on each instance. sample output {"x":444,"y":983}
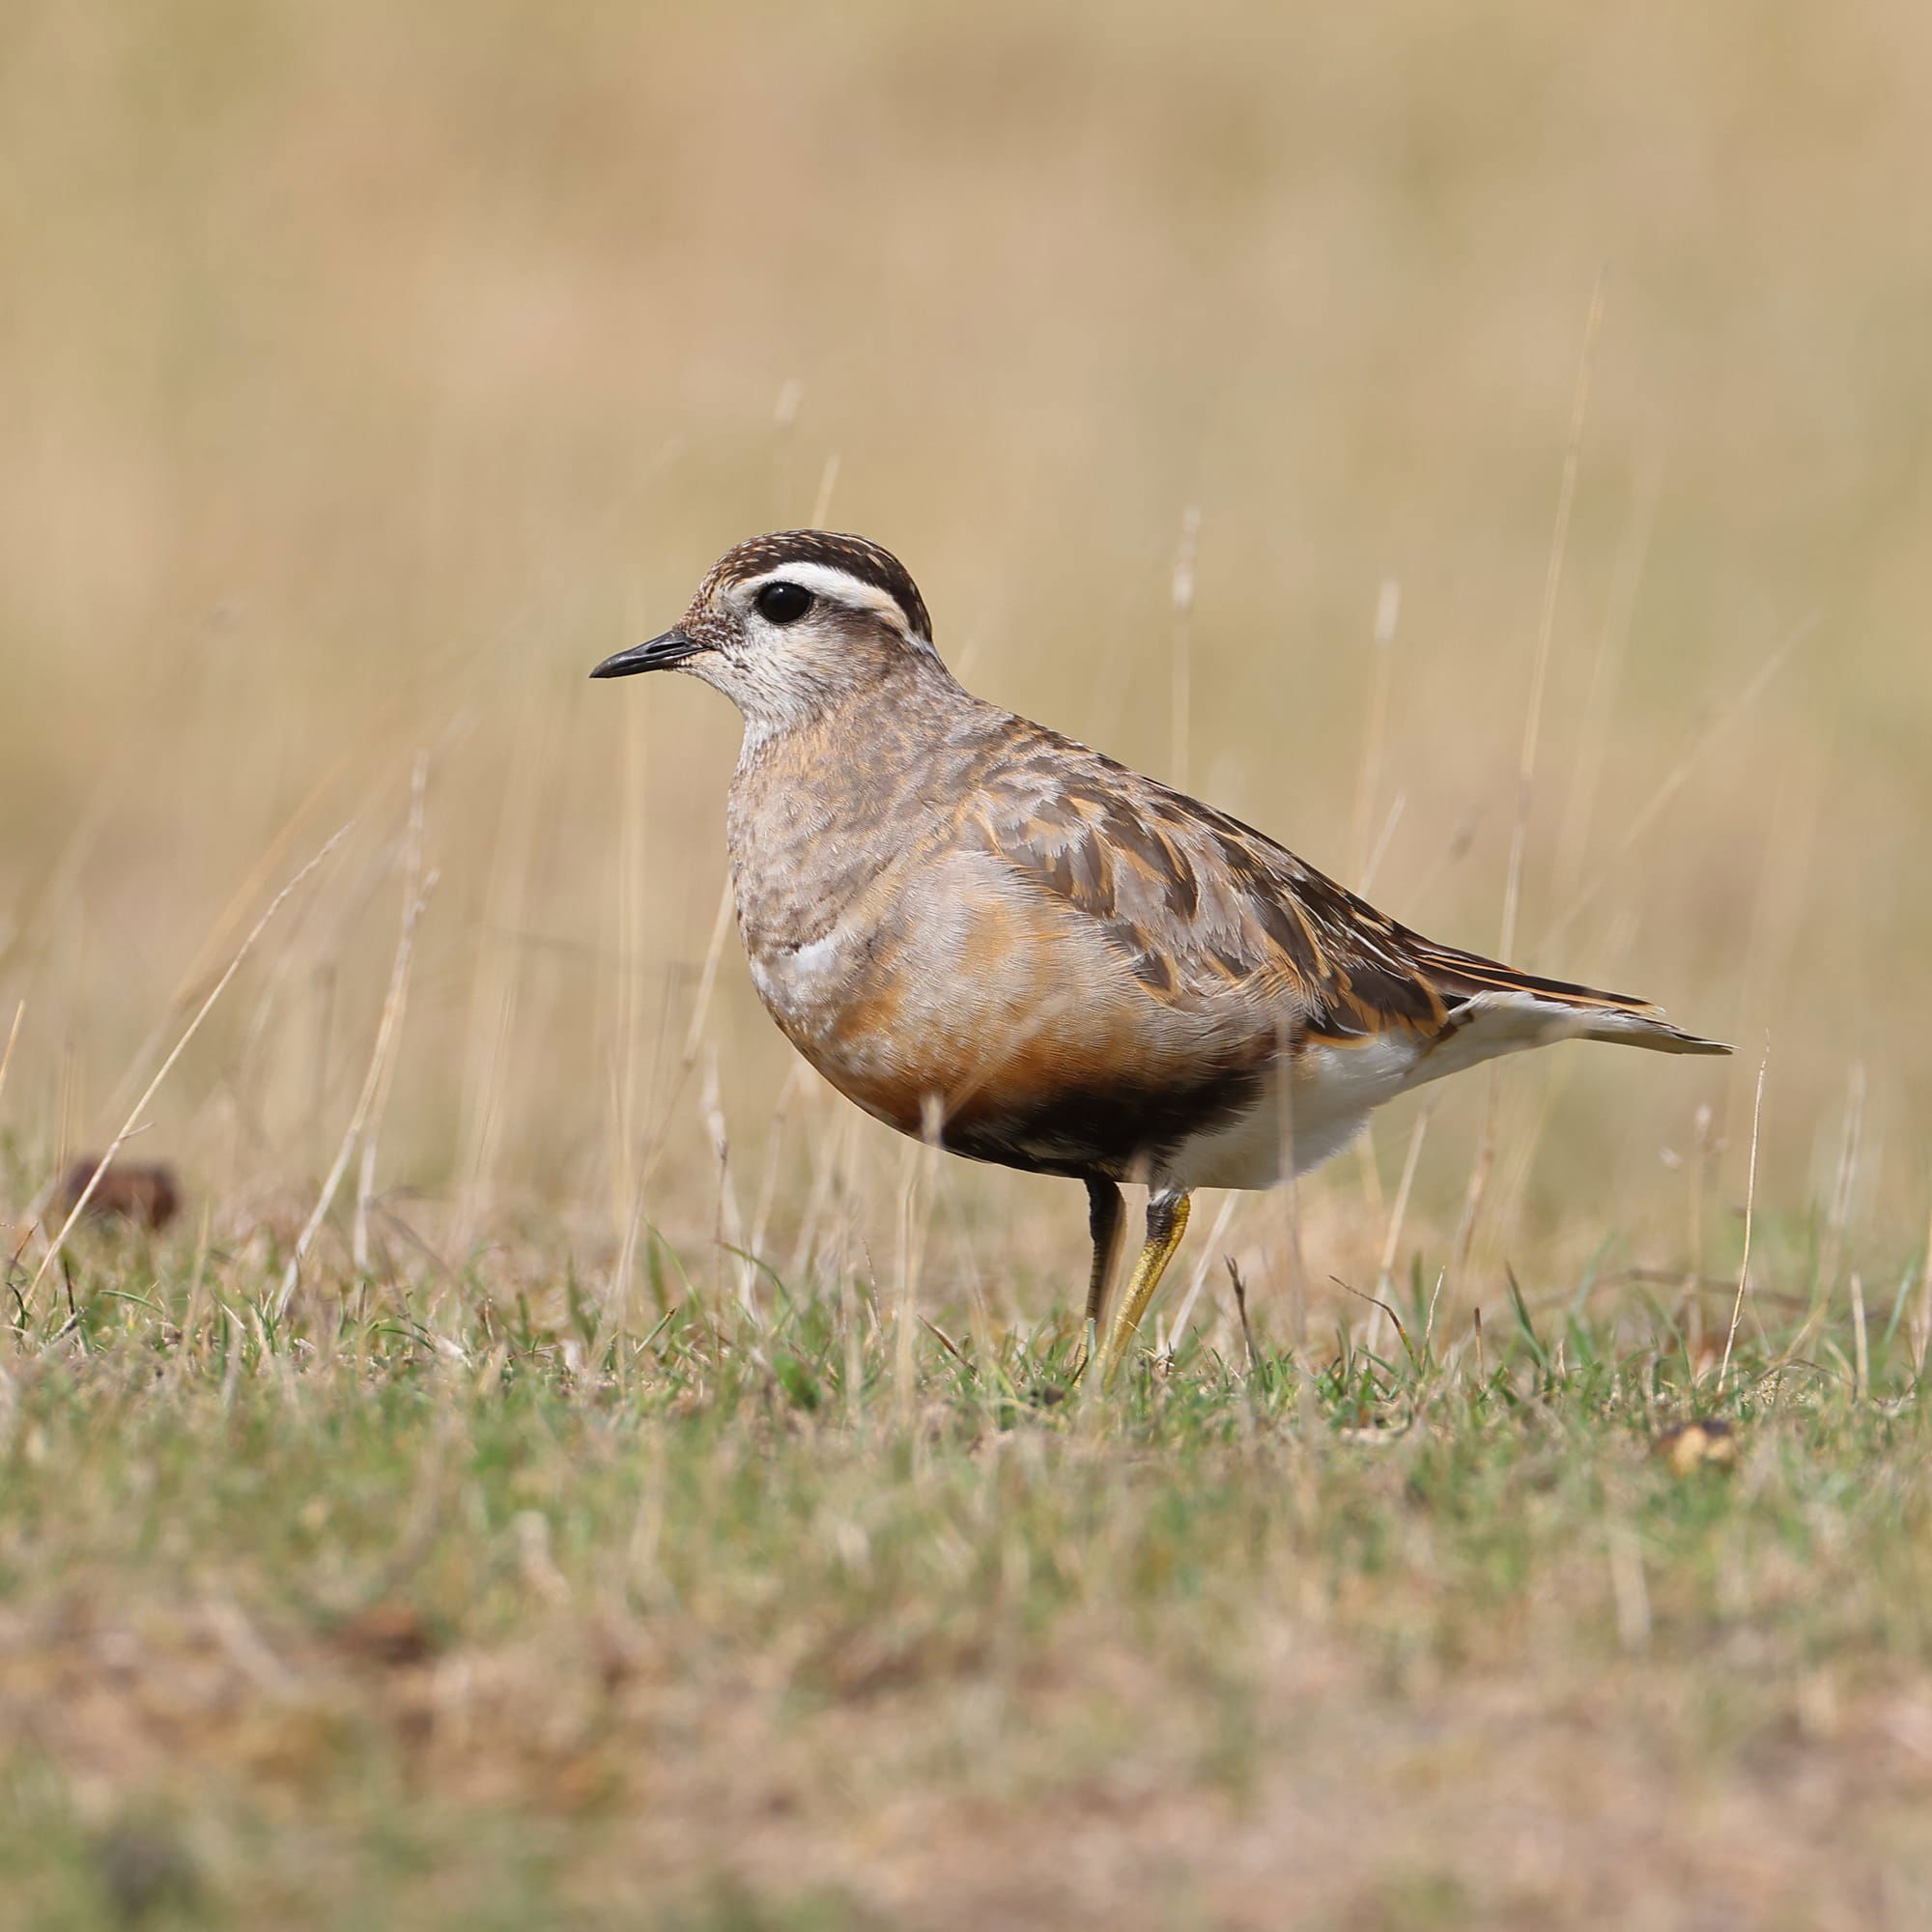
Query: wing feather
{"x":1205,"y":910}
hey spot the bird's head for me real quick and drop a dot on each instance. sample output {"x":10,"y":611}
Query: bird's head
{"x":788,"y":624}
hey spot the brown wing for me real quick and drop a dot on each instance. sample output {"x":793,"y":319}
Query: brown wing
{"x":1201,"y":906}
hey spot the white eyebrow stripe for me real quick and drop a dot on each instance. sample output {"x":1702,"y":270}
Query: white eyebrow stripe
{"x":827,"y":580}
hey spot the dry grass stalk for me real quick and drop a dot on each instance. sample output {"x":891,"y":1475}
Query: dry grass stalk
{"x":12,"y":1036}
{"x":1924,"y":1331}
{"x":1183,"y":598}
{"x":1484,"y":1164}
{"x":1545,"y":628}
{"x":416,"y":891}
{"x":132,"y":1124}
{"x":828,"y":481}
{"x":1750,"y":1207}
{"x":1593,"y":734}
{"x":1694,"y":755}
{"x":417,"y":894}
{"x":1211,"y":1250}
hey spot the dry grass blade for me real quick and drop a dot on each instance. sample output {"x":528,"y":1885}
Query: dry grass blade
{"x":210,"y":950}
{"x":1924,"y":1328}
{"x":1675,"y":779}
{"x":1392,"y":1241}
{"x":1374,"y":1301}
{"x":415,"y":898}
{"x":1546,"y":628}
{"x":1181,"y":724}
{"x":7,"y":1052}
{"x":1210,"y":1248}
{"x":1368,"y":773}
{"x":415,"y":893}
{"x":1593,"y":734}
{"x":1240,"y":1288}
{"x":132,"y":1124}
{"x":1751,"y":1205}
{"x":1482,"y":1167}
{"x":828,"y":481}
{"x":694,"y":1038}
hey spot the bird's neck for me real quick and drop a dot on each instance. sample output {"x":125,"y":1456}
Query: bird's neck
{"x":897,"y":701}
{"x":819,"y":803}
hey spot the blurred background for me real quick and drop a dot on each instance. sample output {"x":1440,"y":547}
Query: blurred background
{"x":368,"y":373}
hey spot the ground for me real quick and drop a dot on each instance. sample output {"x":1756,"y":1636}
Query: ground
{"x":764,"y":1620}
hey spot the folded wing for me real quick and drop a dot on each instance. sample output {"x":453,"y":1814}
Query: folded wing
{"x":1206,"y":911}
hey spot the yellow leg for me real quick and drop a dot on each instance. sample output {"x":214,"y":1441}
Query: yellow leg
{"x":1105,"y":1221}
{"x":1167,"y":1223}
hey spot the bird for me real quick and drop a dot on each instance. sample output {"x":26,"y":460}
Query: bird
{"x":991,"y":937}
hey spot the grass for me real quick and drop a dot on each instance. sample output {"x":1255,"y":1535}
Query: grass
{"x":381,"y":1616}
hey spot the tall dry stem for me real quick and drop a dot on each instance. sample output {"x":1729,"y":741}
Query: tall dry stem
{"x":130,"y":1125}
{"x":416,"y":891}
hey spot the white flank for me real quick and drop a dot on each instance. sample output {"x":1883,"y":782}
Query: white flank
{"x":1337,"y":1086}
{"x":1326,"y":1105}
{"x":800,"y":982}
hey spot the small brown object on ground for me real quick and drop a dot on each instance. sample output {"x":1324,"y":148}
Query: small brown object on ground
{"x":391,"y":1633}
{"x":142,"y":1194}
{"x":1698,"y":1445}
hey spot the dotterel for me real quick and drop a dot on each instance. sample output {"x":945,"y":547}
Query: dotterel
{"x":982,"y":931}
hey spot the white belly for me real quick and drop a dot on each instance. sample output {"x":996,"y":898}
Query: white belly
{"x":1336,"y":1087}
{"x":1325,"y":1104}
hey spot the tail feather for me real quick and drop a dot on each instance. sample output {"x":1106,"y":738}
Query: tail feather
{"x":1456,"y":974}
{"x":1649,"y":1028}
{"x":1495,"y":1010}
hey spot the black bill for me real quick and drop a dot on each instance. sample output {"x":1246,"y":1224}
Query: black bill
{"x":660,"y":654}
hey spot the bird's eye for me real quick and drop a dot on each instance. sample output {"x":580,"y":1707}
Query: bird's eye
{"x":784,"y":603}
